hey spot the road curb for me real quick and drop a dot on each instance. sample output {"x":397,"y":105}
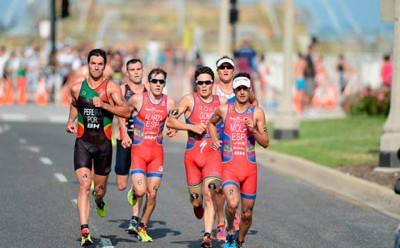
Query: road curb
{"x":373,"y":195}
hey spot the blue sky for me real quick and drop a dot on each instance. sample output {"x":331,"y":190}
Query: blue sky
{"x":330,"y":19}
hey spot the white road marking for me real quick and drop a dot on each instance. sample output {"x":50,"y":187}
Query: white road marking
{"x":46,"y":160}
{"x":14,"y":117}
{"x":34,"y":149}
{"x":4,"y":128}
{"x":61,"y":177}
{"x":58,"y":119}
{"x":106,"y":243}
{"x":22,"y":141}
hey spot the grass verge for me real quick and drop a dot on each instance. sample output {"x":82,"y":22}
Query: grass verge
{"x":353,"y":140}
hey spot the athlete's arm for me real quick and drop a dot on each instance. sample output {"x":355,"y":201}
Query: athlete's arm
{"x":119,"y":108}
{"x":170,"y":107}
{"x":184,"y":106}
{"x":223,"y":100}
{"x":73,"y":111}
{"x":212,"y":128}
{"x":126,"y":141}
{"x":258,"y":127}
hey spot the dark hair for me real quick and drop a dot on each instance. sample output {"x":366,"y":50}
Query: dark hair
{"x":97,"y":52}
{"x":204,"y":70}
{"x":386,"y":57}
{"x":157,"y":71}
{"x":133,"y":61}
{"x":242,"y":74}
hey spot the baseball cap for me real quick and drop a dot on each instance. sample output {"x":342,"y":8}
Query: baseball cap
{"x":225,"y":59}
{"x":241,"y":81}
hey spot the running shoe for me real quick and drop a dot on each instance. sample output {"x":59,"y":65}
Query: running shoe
{"x":101,"y":208}
{"x":142,"y":234}
{"x":92,"y":185}
{"x":230,"y":240}
{"x":132,"y":199}
{"x":133,"y":227}
{"x":236,"y":221}
{"x":207,"y":241}
{"x":198,"y":211}
{"x":221,"y":233}
{"x":238,"y":243}
{"x":85,"y":238}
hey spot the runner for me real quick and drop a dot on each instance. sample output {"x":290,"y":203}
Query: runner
{"x":244,"y":124}
{"x":133,"y":86}
{"x":202,"y":163}
{"x":225,"y":69}
{"x":150,"y":111}
{"x":94,"y":102}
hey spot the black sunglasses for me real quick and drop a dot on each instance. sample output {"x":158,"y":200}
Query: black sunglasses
{"x":207,"y":82}
{"x":223,"y":67}
{"x":155,"y":80}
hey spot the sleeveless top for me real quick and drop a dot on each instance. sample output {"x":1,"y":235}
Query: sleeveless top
{"x":150,"y":121}
{"x":93,"y":123}
{"x":238,"y":143}
{"x":230,"y":97}
{"x":201,"y":113}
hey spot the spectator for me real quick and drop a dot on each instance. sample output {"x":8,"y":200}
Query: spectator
{"x":301,"y":99}
{"x":386,"y":72}
{"x":246,"y":57}
{"x":310,"y":73}
{"x":343,"y":70}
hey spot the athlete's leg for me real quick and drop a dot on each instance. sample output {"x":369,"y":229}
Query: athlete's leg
{"x":151,"y":195}
{"x":231,"y":192}
{"x":139,"y":184}
{"x":100,"y":187}
{"x":122,"y":165}
{"x":84,"y":178}
{"x":220,"y":204}
{"x":196,"y":195}
{"x":247,"y":217}
{"x":122,"y":182}
{"x":209,"y":210}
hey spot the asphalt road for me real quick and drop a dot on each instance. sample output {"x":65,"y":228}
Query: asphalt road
{"x":38,"y":189}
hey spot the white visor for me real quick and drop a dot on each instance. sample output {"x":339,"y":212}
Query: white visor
{"x":241,"y":81}
{"x":225,"y":60}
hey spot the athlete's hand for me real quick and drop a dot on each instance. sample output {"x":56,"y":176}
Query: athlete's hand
{"x":249,"y":124}
{"x":215,"y":145}
{"x":200,"y":128}
{"x":97,"y":102}
{"x":71,"y":127}
{"x":171,"y":132}
{"x":126,"y":142}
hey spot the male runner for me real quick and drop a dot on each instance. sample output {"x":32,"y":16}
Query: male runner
{"x":94,"y":102}
{"x":202,"y":163}
{"x":133,"y":86}
{"x":225,"y":69}
{"x":150,"y":112}
{"x":244,"y":124}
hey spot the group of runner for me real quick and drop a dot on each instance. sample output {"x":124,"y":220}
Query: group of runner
{"x":223,"y":123}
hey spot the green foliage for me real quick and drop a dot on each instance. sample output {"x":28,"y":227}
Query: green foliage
{"x":353,"y":140}
{"x":369,"y":102}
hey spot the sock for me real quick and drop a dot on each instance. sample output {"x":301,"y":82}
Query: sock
{"x":84,"y":226}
